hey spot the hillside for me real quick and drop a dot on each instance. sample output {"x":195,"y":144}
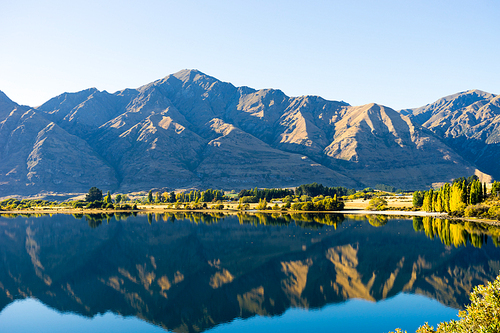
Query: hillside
{"x":469,"y":122}
{"x":192,"y":130}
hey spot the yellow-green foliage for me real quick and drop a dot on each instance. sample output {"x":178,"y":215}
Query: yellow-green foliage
{"x":482,"y":315}
{"x":262,"y":204}
{"x":456,"y":233}
{"x":377,"y":203}
{"x":494,"y":212}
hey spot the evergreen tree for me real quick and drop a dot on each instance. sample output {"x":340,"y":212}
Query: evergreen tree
{"x":150,"y":196}
{"x":94,"y":194}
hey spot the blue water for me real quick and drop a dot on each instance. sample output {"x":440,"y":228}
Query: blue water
{"x":147,"y":273}
{"x":404,"y":311}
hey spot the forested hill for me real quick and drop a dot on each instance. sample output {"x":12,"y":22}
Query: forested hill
{"x":192,"y":130}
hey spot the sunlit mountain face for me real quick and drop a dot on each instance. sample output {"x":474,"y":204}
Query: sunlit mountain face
{"x":192,"y":130}
{"x":190,"y":272}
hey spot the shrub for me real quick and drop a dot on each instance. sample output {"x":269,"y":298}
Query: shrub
{"x":262,"y":204}
{"x":475,"y":210}
{"x":307,"y":206}
{"x":249,"y":199}
{"x":94,"y":204}
{"x":481,"y":315}
{"x":494,"y":212}
{"x":78,"y":204}
{"x":377,"y":204}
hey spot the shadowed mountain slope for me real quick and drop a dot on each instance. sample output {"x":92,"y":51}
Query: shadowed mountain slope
{"x":469,"y":122}
{"x":192,"y":130}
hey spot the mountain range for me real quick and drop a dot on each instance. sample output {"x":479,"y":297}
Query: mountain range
{"x":190,"y":130}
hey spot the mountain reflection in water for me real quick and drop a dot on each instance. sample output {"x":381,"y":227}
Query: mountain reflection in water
{"x":190,"y":271}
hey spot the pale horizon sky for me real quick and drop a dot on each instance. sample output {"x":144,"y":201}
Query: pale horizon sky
{"x":401,"y":54}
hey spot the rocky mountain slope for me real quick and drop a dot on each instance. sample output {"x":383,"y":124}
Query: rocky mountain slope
{"x":192,"y":130}
{"x":469,"y":122}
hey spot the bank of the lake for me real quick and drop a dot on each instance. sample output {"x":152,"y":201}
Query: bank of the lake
{"x":232,"y":211}
{"x":223,"y":271}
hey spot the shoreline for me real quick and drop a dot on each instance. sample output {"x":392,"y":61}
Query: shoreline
{"x":72,"y":211}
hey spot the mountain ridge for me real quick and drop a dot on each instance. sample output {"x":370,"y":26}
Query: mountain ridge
{"x":189,"y":129}
{"x":468,"y":122}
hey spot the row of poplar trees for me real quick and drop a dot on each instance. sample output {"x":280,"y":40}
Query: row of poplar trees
{"x":451,"y":198}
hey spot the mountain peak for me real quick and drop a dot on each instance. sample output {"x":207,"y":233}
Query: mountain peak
{"x":4,"y":99}
{"x":186,"y":75}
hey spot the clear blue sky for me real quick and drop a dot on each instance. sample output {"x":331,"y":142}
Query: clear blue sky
{"x":398,"y":53}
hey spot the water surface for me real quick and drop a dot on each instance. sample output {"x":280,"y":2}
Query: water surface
{"x":193,"y":272}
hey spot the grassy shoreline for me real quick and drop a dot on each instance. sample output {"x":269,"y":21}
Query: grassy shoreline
{"x":232,"y":211}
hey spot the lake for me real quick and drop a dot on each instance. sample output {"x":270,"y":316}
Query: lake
{"x":249,"y":272}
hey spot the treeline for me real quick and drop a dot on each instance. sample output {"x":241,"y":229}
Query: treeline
{"x":451,"y":198}
{"x":320,"y":205}
{"x":388,"y":188}
{"x":12,"y":203}
{"x":266,"y":193}
{"x":464,"y":197}
{"x":209,"y":195}
{"x":315,"y":189}
{"x":309,"y":190}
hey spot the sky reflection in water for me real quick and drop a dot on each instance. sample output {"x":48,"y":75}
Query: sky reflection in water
{"x":403,"y":310}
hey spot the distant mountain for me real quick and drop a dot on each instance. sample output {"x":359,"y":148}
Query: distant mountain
{"x":469,"y":122}
{"x":192,"y":130}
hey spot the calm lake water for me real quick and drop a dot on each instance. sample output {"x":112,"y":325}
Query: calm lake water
{"x":246,"y":273}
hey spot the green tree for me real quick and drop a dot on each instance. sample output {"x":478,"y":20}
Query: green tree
{"x":495,"y":189}
{"x":118,"y":198}
{"x":418,"y":198}
{"x":150,"y":196}
{"x":107,"y":199}
{"x":94,"y":194}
